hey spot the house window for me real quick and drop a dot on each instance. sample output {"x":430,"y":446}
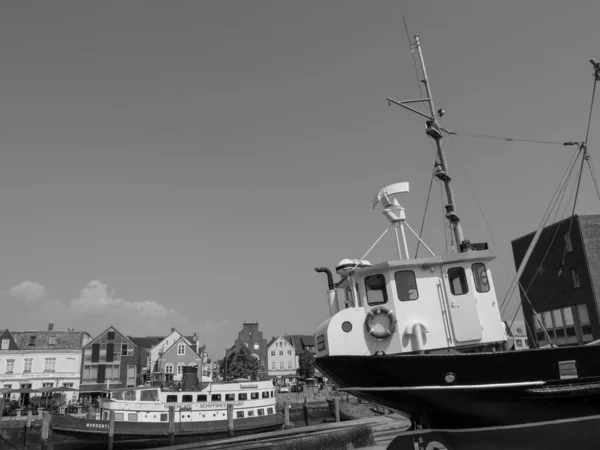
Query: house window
{"x":110,"y":335}
{"x":280,"y":352}
{"x":181,"y":349}
{"x":52,"y":340}
{"x":376,"y":291}
{"x":289,"y":364}
{"x":560,"y":327}
{"x":273,"y":365}
{"x":575,"y":276}
{"x":179,"y":368}
{"x":406,"y":285}
{"x":256,"y":346}
{"x":10,"y":365}
{"x":49,"y":364}
{"x":480,"y":276}
{"x":169,"y":368}
{"x":272,"y":352}
{"x":124,"y":348}
{"x":568,"y":243}
{"x":5,"y":344}
{"x":458,"y":281}
{"x":584,"y":322}
{"x":281,"y":364}
{"x":27,"y":365}
{"x":289,"y":353}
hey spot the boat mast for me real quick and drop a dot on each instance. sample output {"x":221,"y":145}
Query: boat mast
{"x":433,"y":131}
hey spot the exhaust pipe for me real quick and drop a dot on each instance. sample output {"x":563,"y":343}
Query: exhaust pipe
{"x":332,"y":300}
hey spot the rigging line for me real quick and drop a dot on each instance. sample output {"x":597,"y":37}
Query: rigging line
{"x":464,"y":170}
{"x":547,"y":213}
{"x":562,"y":187}
{"x":499,"y":138}
{"x":425,"y":212}
{"x":587,"y":133}
{"x":412,"y":52}
{"x":591,"y":167}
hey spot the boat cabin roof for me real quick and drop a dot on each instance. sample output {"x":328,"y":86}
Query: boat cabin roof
{"x":481,"y":255}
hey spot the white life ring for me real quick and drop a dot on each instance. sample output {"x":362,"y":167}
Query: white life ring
{"x":380,"y":335}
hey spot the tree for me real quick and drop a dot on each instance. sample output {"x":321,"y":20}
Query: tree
{"x":306,"y":365}
{"x":240,"y":364}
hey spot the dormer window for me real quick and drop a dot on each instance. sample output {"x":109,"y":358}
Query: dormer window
{"x":32,"y":341}
{"x":52,"y":340}
{"x":5,"y":344}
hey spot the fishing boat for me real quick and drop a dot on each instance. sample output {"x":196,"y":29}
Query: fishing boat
{"x":425,"y":336}
{"x":196,"y":409}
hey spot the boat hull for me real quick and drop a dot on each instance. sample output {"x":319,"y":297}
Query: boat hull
{"x":488,"y":389}
{"x":64,"y":423}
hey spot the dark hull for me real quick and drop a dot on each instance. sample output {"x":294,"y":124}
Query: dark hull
{"x":63,"y":423}
{"x":489,"y":389}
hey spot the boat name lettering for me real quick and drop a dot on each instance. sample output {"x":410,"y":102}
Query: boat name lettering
{"x":203,"y":405}
{"x":96,"y":425}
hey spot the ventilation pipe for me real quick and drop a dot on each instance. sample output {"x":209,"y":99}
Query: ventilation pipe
{"x":332,"y":300}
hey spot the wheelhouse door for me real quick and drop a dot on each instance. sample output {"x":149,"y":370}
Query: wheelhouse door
{"x":462,"y":303}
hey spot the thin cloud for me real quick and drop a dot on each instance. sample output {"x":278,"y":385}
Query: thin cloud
{"x":28,"y":290}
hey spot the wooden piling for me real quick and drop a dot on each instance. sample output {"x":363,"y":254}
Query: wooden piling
{"x":111,"y":429}
{"x":45,"y":429}
{"x":230,"y":419}
{"x":286,"y":415}
{"x":171,"y":425}
{"x":306,"y":421}
{"x":336,"y":405}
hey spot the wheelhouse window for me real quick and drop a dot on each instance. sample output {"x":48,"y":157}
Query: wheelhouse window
{"x":149,"y":395}
{"x":458,"y":281}
{"x":376,"y":289}
{"x":406,"y":285}
{"x":482,"y":283}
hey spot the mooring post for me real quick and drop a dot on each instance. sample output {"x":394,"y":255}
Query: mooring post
{"x":336,"y":406}
{"x":27,"y":429}
{"x":111,"y":429}
{"x":230,"y":419}
{"x":171,"y":425}
{"x":45,"y":429}
{"x":306,"y":411}
{"x":286,"y":415}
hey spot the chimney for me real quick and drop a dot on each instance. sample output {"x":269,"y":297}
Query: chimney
{"x":50,"y":326}
{"x":172,"y":329}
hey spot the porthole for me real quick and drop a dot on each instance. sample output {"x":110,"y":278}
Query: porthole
{"x":347,"y":327}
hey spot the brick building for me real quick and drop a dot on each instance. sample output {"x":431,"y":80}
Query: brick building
{"x":251,"y":337}
{"x":562,"y":282}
